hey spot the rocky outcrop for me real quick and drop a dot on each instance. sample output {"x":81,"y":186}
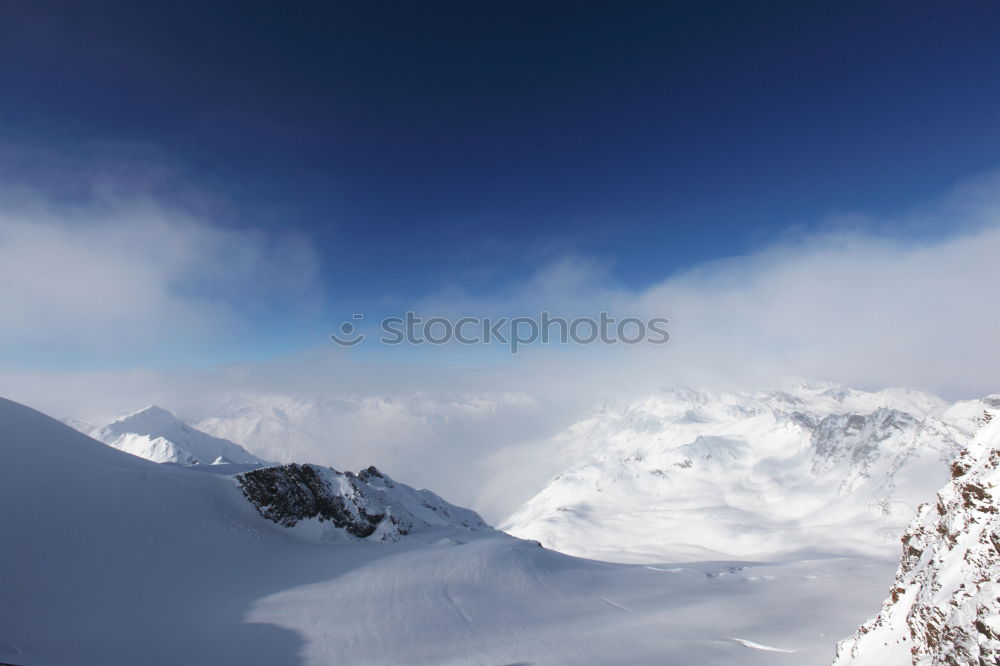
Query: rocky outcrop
{"x":944,"y":606}
{"x":291,"y":493}
{"x":364,"y":505}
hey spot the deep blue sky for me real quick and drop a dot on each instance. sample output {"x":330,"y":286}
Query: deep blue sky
{"x":420,"y":143}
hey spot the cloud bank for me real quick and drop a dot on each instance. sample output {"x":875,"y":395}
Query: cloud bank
{"x":113,"y":274}
{"x":866,"y":302}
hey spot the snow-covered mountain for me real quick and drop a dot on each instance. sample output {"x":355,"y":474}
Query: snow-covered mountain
{"x":944,"y":606}
{"x":156,"y":434}
{"x":111,"y":559}
{"x":695,"y":475}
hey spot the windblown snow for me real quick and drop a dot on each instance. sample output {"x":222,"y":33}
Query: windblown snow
{"x":691,"y":475}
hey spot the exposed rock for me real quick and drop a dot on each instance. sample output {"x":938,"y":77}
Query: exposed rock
{"x":944,"y":606}
{"x":362,"y":505}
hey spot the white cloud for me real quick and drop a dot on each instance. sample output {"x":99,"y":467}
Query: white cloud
{"x":860,"y":309}
{"x":866,"y":302}
{"x":131,"y":273}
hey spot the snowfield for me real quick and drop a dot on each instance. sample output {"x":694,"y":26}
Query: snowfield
{"x":112,"y":559}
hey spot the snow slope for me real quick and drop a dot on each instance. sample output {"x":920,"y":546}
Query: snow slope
{"x":502,"y":601}
{"x":944,"y":606}
{"x":694,"y":475}
{"x":156,"y":434}
{"x":111,"y":559}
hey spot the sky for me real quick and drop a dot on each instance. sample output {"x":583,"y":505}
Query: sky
{"x":193,"y":196}
{"x":417,"y":145}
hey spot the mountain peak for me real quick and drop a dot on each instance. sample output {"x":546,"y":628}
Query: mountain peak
{"x":150,"y":412}
{"x":156,"y":434}
{"x":154,"y":409}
